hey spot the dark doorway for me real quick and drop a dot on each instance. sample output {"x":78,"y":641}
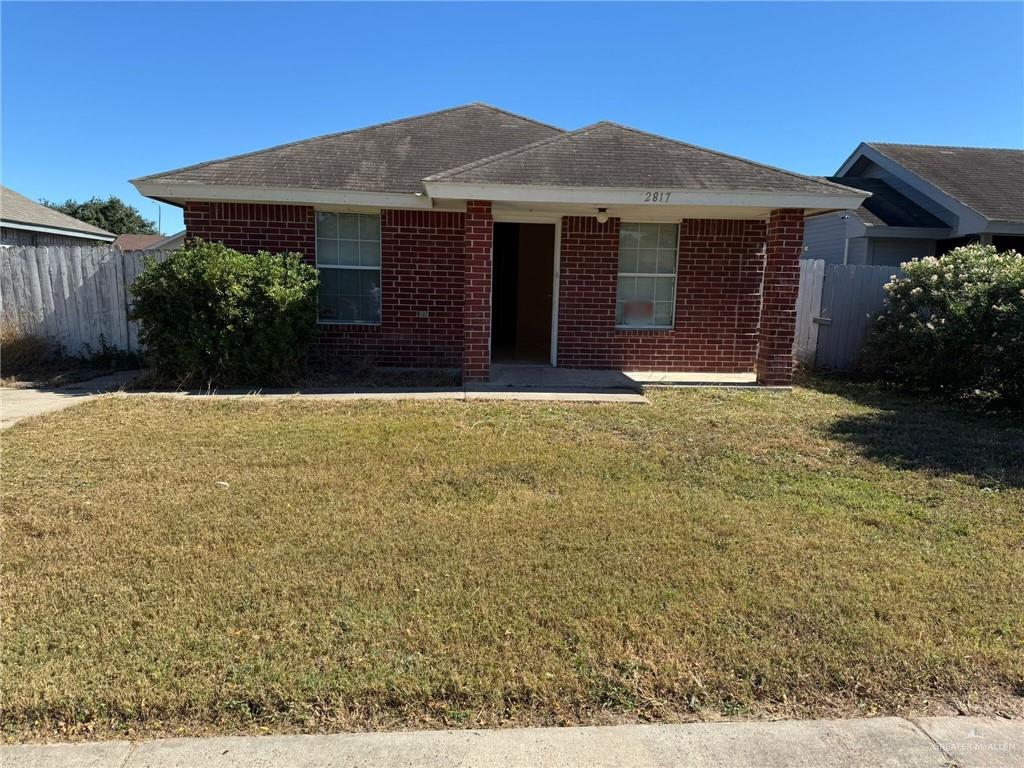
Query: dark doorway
{"x":522,"y":280}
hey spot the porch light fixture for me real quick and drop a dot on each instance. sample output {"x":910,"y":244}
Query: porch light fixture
{"x":602,"y":215}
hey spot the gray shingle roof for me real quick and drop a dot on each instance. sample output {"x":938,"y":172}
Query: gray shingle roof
{"x":991,"y":181}
{"x":390,"y":157}
{"x":886,"y":206}
{"x":610,"y":155}
{"x":18,"y":209}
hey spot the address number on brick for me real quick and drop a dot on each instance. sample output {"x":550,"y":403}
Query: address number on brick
{"x":657,"y":197}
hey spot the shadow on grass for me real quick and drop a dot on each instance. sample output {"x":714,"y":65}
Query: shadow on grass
{"x":920,"y":433}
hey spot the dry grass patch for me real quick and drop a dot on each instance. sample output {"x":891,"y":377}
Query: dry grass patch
{"x":447,"y":564}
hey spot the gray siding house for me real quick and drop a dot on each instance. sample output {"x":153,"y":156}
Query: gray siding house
{"x":924,"y":201}
{"x":25,"y":222}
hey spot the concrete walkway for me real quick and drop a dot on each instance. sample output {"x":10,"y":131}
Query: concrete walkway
{"x":20,"y":403}
{"x":930,"y":742}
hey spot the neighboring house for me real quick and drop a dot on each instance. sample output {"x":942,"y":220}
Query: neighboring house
{"x":24,"y":222}
{"x":150,"y":242}
{"x":473,"y":234}
{"x":924,"y":201}
{"x":138,"y":242}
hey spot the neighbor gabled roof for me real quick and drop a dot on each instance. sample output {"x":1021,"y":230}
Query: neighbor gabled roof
{"x":989,"y":181}
{"x":19,"y":212}
{"x":138,"y":242}
{"x":610,"y":155}
{"x":886,"y":207}
{"x":390,"y":157}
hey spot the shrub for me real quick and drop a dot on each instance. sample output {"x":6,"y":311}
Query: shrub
{"x":211,"y":315}
{"x":954,"y":325}
{"x":20,"y":352}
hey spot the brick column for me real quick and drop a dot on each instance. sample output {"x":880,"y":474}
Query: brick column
{"x":476,"y":317}
{"x":778,"y":300}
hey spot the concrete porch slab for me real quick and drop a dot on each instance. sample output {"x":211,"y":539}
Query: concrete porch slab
{"x":529,"y":377}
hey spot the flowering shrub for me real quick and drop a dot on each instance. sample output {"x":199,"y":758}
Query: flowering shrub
{"x":954,"y":325}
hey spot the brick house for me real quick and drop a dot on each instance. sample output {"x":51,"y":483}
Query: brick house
{"x":473,"y":235}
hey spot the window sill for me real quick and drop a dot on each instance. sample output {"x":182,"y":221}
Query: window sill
{"x":351,"y":322}
{"x":654,"y":328}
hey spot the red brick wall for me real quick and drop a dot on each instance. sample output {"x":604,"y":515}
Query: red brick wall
{"x":421,"y":272}
{"x":781,"y":283}
{"x":717,"y":300}
{"x":476,"y":360}
{"x":250,"y":227}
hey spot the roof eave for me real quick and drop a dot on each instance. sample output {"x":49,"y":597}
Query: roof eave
{"x":666,"y":197}
{"x":177,"y":193}
{"x":107,"y":237}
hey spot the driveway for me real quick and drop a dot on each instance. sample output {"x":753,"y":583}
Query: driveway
{"x":21,"y":403}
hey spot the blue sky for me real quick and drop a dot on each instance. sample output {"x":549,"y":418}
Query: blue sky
{"x":96,"y":94}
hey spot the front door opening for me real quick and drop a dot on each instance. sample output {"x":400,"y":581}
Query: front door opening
{"x":521,"y":294}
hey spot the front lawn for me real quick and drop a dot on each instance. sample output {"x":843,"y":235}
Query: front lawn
{"x":826,"y":552}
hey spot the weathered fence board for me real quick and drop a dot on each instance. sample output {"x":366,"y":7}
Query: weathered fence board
{"x":78,"y":297}
{"x":835,"y":309}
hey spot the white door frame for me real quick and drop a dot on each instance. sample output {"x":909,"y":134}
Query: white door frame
{"x":521,"y":218}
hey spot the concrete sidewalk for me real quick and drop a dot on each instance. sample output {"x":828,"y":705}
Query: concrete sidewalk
{"x":931,"y":742}
{"x":17,"y":403}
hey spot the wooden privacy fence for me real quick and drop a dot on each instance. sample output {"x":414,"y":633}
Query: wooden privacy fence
{"x":78,"y":297}
{"x":835,"y":310}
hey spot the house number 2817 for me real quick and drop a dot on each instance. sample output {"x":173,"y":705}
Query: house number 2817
{"x":656,"y":197}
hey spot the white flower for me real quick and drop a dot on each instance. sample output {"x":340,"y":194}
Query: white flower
{"x":916,"y":292}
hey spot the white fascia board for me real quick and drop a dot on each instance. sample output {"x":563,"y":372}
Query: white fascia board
{"x":1005,"y":228}
{"x":287,"y":195}
{"x":605,"y":196}
{"x":58,"y":231}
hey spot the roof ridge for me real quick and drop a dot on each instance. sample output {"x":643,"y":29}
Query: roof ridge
{"x":877,"y":144}
{"x":331,"y":136}
{"x":446,"y":175}
{"x":815,"y":179}
{"x":514,"y":114}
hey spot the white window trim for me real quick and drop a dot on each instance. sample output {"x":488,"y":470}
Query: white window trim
{"x":675,"y":281}
{"x":378,"y":269}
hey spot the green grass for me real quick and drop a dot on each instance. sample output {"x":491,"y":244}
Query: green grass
{"x":829,"y":551}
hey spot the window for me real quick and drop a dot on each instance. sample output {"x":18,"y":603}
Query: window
{"x":348,"y":258}
{"x":647,"y":275}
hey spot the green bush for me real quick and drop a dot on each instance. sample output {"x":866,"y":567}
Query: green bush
{"x":954,"y":325}
{"x":210,"y":315}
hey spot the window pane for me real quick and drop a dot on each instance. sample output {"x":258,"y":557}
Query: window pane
{"x":669,"y":235}
{"x":628,"y":260}
{"x":637,"y":312}
{"x":666,"y":262}
{"x":627,"y":288}
{"x":645,"y":288}
{"x":663,"y":289}
{"x":369,"y":227}
{"x":618,"y":313}
{"x":648,"y":235}
{"x":369,"y":254}
{"x":348,"y":280}
{"x":328,"y":299}
{"x":348,"y":226}
{"x":648,"y":261}
{"x":348,"y":253}
{"x":326,"y":224}
{"x":629,"y":236}
{"x":663,"y":313}
{"x":326,"y":251}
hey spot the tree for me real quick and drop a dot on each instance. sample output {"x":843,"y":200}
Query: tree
{"x":112,"y":214}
